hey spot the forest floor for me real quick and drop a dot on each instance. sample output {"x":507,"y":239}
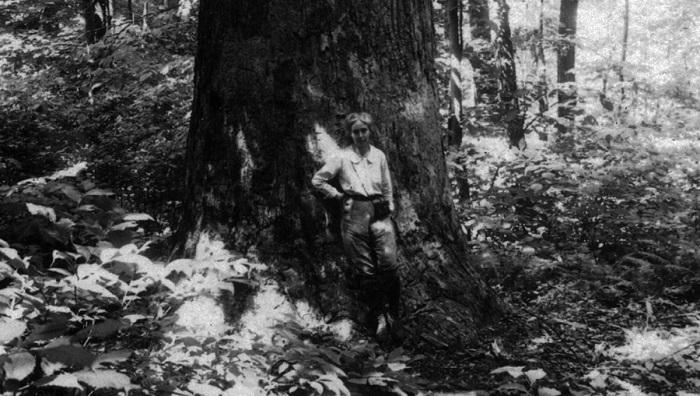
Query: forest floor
{"x":593,"y":240}
{"x":590,"y":239}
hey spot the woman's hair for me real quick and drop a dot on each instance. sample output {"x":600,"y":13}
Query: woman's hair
{"x":349,"y":121}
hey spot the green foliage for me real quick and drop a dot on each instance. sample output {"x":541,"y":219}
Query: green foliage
{"x":99,"y":313}
{"x":122,"y":104}
{"x":310,"y":366}
{"x":592,"y":238}
{"x":74,"y":315}
{"x":598,"y":186}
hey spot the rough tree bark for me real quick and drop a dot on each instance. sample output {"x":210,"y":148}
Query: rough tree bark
{"x":623,"y":57}
{"x":567,"y":61}
{"x":454,"y":34}
{"x":508,"y":94}
{"x":272,"y":79}
{"x":541,"y":63}
{"x":481,"y":56}
{"x":95,"y":26}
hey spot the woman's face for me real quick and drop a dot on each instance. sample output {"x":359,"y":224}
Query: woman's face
{"x":360,"y":134}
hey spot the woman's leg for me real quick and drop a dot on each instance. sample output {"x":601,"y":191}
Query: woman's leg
{"x":383,"y":236}
{"x":383,"y":241}
{"x":357,"y":245}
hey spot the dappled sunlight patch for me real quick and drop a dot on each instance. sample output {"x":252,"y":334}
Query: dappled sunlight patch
{"x":71,"y":171}
{"x":246,"y":160}
{"x":203,"y":317}
{"x":210,"y":248}
{"x":668,"y":144}
{"x":268,"y":309}
{"x":654,"y":345}
{"x":271,"y":309}
{"x":321,"y":144}
{"x":496,"y":147}
{"x":413,"y":108}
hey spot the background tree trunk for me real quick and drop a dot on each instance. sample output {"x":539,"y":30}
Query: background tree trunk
{"x":481,"y":56}
{"x":567,"y":60}
{"x":95,"y":26}
{"x":130,"y":10}
{"x":454,"y":33}
{"x":623,"y":57}
{"x":541,"y":64}
{"x":508,"y":94}
{"x":272,"y":78}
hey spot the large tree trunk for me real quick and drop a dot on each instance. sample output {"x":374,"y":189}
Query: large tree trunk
{"x":567,"y":60}
{"x":272,"y":79}
{"x":454,"y":35}
{"x":508,"y":97}
{"x":481,"y":56}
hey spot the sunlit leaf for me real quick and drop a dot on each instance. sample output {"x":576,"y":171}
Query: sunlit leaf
{"x":40,"y":210}
{"x":513,"y":371}
{"x":544,"y":391}
{"x":19,"y":365}
{"x":62,"y":380}
{"x":11,"y":329}
{"x":123,"y":226}
{"x":50,"y":368}
{"x":10,"y":253}
{"x":99,"y":192}
{"x":334,"y":383}
{"x":108,"y":254}
{"x":396,"y":366}
{"x":138,"y":217}
{"x":71,"y":171}
{"x":204,"y":389}
{"x":130,"y":248}
{"x":239,"y":267}
{"x":133,"y":318}
{"x":95,"y":272}
{"x":534,"y":375}
{"x":185,"y":266}
{"x":317,"y":387}
{"x":597,"y":379}
{"x":105,"y":379}
{"x":91,"y":286}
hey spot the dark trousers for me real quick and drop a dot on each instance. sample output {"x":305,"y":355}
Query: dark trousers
{"x":370,"y":245}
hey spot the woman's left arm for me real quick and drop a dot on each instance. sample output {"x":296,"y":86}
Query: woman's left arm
{"x":387,"y":189}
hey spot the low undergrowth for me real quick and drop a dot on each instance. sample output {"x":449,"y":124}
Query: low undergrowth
{"x":593,"y":242}
{"x":87,"y":305}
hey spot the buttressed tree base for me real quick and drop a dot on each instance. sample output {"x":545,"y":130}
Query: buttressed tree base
{"x":272,"y":80}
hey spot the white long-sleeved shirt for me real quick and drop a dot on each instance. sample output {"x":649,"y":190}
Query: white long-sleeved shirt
{"x":359,"y":175}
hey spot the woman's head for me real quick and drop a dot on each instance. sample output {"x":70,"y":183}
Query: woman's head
{"x":357,"y":129}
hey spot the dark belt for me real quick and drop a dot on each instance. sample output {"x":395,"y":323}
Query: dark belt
{"x":358,"y":197}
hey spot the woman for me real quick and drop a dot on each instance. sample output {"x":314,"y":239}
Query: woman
{"x":368,"y":234}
